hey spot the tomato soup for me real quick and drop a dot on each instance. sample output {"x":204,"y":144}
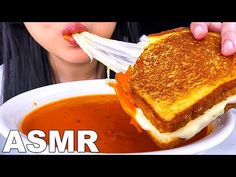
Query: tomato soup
{"x":100,"y":113}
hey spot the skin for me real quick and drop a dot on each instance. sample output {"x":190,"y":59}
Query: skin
{"x":226,"y":29}
{"x":69,"y":62}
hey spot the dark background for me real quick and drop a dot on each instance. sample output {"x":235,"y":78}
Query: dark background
{"x":155,"y":27}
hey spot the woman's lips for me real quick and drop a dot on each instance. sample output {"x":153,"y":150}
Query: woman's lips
{"x":71,"y":29}
{"x":70,"y":39}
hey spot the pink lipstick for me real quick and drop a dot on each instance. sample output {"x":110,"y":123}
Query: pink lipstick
{"x":71,"y":29}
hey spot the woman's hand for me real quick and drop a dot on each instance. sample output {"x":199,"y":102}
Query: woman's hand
{"x":226,"y":29}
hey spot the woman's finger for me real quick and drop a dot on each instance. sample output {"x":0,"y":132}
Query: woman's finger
{"x":215,"y":26}
{"x":199,"y":29}
{"x":228,"y":38}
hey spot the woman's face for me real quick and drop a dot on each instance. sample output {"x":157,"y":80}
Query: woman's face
{"x":56,"y":37}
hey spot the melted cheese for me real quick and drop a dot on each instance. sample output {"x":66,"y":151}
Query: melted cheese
{"x":191,"y":129}
{"x":117,"y":55}
{"x":108,"y":73}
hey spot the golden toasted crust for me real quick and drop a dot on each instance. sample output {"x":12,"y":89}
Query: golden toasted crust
{"x":178,"y":78}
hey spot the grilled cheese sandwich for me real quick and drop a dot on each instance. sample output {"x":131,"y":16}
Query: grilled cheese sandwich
{"x":177,"y":86}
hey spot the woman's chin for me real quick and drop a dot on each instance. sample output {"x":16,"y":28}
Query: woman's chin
{"x":77,"y":57}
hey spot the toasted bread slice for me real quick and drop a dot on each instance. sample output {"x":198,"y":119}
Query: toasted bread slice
{"x":178,"y":78}
{"x":179,"y":85}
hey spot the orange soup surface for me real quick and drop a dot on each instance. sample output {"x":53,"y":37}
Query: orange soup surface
{"x":101,"y":113}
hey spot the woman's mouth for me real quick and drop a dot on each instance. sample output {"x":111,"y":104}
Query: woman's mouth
{"x":70,"y":39}
{"x":70,"y":29}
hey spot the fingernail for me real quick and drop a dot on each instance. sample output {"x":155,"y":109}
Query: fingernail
{"x":228,"y":46}
{"x":198,"y":31}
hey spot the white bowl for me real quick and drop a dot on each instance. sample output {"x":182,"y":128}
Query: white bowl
{"x":14,"y":110}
